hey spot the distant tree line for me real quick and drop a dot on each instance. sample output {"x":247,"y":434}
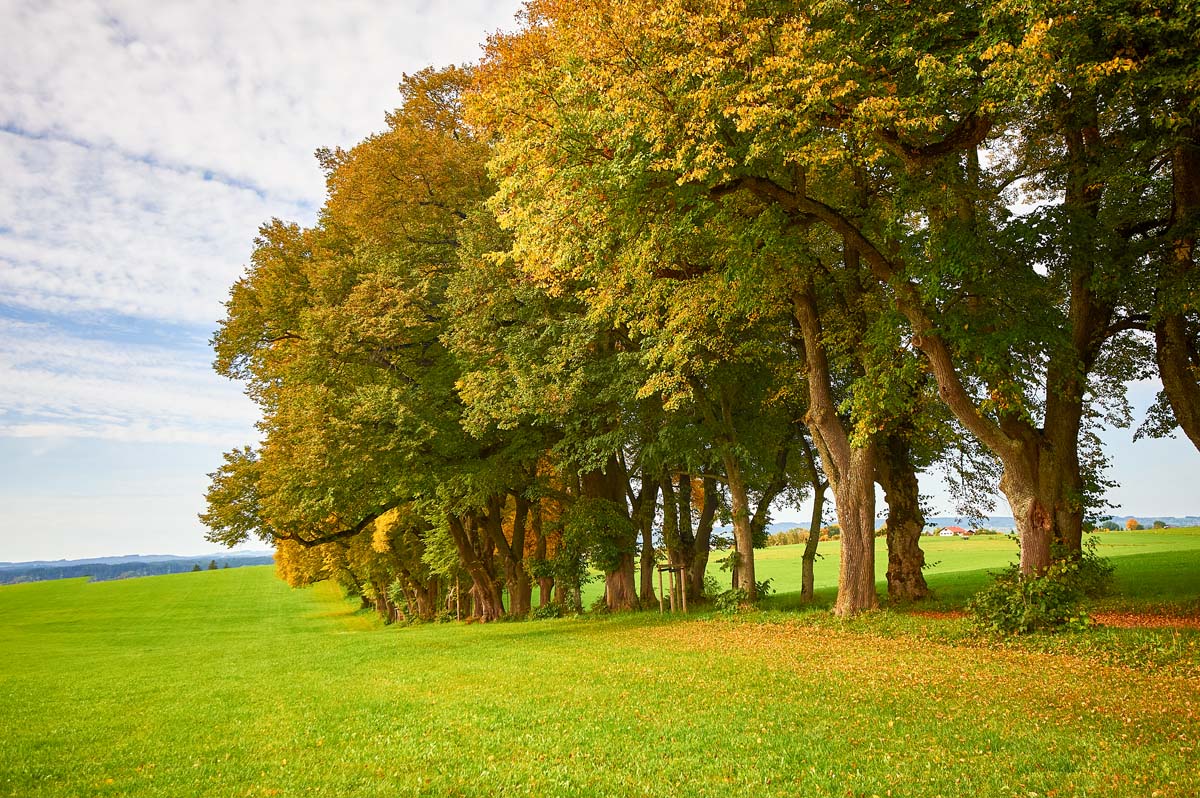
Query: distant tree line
{"x":103,"y":572}
{"x":652,"y":266}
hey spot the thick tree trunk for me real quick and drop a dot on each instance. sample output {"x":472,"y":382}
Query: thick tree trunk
{"x":620,"y":582}
{"x":1176,"y":344}
{"x":849,"y":469}
{"x":512,"y":553}
{"x":1039,"y":487}
{"x":488,"y":604}
{"x":855,"y":496}
{"x":905,"y":521}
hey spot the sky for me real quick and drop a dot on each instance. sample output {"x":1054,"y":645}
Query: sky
{"x":141,"y":146}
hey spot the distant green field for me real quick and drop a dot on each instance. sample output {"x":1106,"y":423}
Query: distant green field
{"x":227,"y":683}
{"x":1164,"y":565}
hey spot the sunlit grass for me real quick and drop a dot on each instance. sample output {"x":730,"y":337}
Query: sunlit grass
{"x":228,"y":683}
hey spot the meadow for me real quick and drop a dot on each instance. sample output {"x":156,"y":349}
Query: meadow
{"x":228,"y":683}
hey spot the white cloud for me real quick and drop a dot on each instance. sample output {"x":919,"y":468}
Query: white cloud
{"x":141,"y":146}
{"x":62,"y":386}
{"x":247,"y":89}
{"x":95,"y":232}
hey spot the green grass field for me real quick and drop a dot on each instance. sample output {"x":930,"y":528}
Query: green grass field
{"x":1154,"y":566}
{"x":227,"y":683}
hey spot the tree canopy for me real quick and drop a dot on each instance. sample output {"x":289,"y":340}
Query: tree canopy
{"x":652,"y":266}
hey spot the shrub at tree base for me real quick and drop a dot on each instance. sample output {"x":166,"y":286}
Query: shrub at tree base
{"x":1016,"y":604}
{"x":736,"y":600}
{"x":548,"y":611}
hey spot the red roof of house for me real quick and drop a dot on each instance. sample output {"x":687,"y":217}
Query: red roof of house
{"x":958,"y":530}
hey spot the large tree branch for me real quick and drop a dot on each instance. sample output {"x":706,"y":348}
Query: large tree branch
{"x":320,"y":540}
{"x":908,"y":301}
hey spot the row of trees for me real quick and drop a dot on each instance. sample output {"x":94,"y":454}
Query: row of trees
{"x":651,"y":265}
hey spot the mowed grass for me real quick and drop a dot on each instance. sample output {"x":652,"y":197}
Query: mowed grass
{"x":1159,"y":566}
{"x":228,"y":683}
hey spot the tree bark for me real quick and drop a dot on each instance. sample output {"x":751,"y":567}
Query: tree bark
{"x":743,"y":535}
{"x":545,"y":583}
{"x":855,"y":491}
{"x":702,"y":547}
{"x":849,"y":469}
{"x":647,"y":504}
{"x":512,"y":553}
{"x":809,"y":558}
{"x":1176,"y":344}
{"x":488,"y":603}
{"x":620,"y":582}
{"x":905,"y":521}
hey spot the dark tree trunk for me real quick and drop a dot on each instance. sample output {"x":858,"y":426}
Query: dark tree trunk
{"x":905,"y":521}
{"x":809,"y":558}
{"x":620,"y":582}
{"x":1176,"y":341}
{"x":703,"y":544}
{"x":487,"y":602}
{"x":512,"y":553}
{"x":545,"y":583}
{"x":647,"y":504}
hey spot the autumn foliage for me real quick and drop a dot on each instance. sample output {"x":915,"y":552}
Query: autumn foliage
{"x":651,"y":268}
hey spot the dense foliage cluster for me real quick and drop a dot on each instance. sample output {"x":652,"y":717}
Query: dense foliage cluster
{"x":651,"y":266}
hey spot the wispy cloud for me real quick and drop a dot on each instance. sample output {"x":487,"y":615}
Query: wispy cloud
{"x":62,"y":386}
{"x":141,"y":146}
{"x":246,"y":89}
{"x":94,"y":232}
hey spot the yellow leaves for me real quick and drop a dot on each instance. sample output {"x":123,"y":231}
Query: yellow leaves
{"x":383,"y":527}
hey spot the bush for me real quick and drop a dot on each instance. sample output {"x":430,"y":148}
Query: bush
{"x":549,"y":610}
{"x":736,"y":600}
{"x":1016,"y":604}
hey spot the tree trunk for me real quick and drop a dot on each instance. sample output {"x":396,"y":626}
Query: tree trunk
{"x":487,"y":604}
{"x":809,"y":558}
{"x":703,"y":544}
{"x":1176,"y":344}
{"x":516,"y":578}
{"x":620,"y":582}
{"x":850,"y":469}
{"x":545,"y":583}
{"x":647,"y":504}
{"x":905,"y":521}
{"x":855,"y":496}
{"x":742,"y":534}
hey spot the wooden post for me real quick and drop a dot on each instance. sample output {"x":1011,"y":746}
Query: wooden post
{"x":683,"y":587}
{"x":660,"y":592}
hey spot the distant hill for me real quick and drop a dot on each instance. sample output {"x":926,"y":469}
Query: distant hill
{"x":101,"y":569}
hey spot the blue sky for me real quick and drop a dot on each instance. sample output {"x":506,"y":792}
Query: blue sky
{"x":141,"y":146}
